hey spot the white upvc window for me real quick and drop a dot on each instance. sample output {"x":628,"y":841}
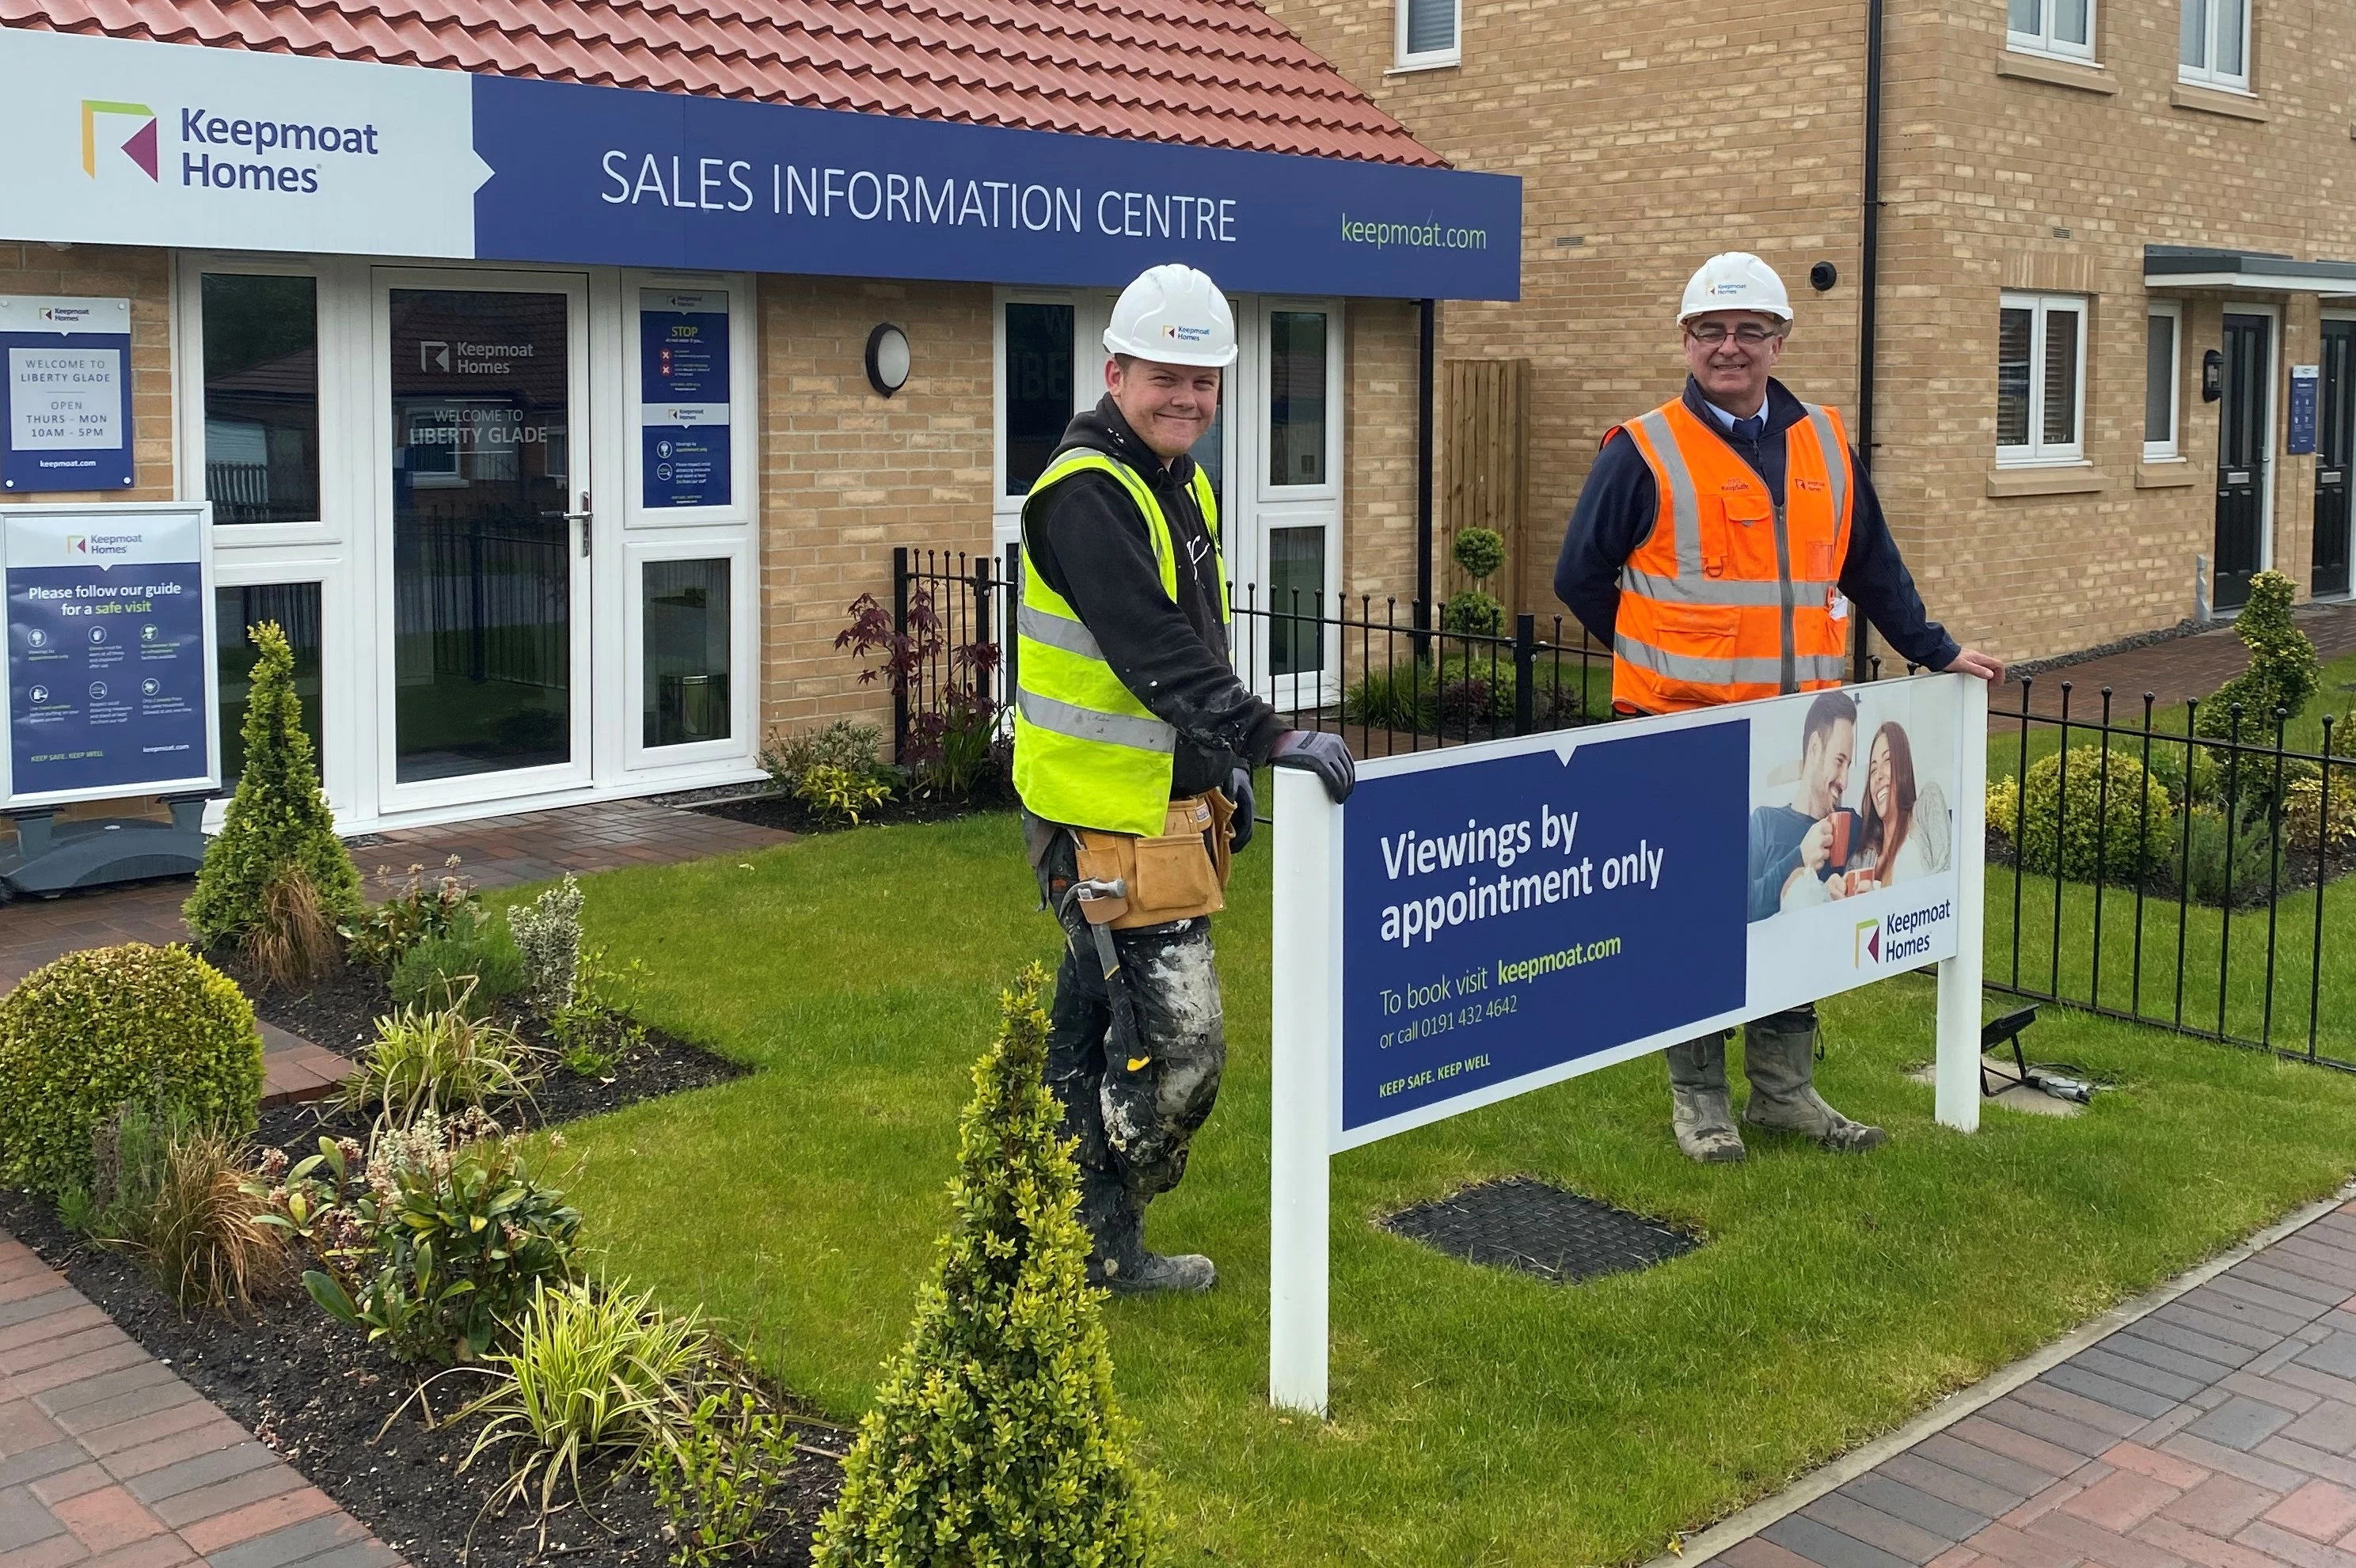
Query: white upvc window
{"x":2063,"y":29}
{"x":1431,"y":33}
{"x":2163,"y":380}
{"x":2214,"y":46}
{"x":2041,"y":380}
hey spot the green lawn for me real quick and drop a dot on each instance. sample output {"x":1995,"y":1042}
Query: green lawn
{"x":1480,"y":1417}
{"x":2303,"y":733}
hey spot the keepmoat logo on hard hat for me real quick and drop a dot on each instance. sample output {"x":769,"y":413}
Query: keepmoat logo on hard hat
{"x":1179,"y":333}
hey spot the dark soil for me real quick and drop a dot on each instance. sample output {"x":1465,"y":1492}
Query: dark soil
{"x":770,"y":809}
{"x":334,"y":1407}
{"x":340,"y":1011}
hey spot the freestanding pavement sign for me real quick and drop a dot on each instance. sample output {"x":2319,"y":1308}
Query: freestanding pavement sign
{"x":1486,"y":920}
{"x":112,"y":690}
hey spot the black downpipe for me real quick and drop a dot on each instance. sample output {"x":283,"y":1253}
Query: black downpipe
{"x":1869,"y":264}
{"x":1426,"y":372}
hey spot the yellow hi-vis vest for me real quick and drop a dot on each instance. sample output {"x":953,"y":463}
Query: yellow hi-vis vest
{"x":1087,"y":752}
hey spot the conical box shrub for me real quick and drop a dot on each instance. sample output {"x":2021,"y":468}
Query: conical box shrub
{"x":278,"y":824}
{"x":995,"y":1439}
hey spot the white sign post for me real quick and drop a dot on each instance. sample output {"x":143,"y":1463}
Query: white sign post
{"x":1487,"y":920}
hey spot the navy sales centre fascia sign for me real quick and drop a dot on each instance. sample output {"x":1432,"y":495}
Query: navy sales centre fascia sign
{"x":119,"y":142}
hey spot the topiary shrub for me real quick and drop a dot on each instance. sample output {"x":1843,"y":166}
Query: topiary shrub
{"x":94,"y":1029}
{"x":2116,"y":828}
{"x":277,"y":824}
{"x":995,"y":1437}
{"x":1472,"y":613}
{"x":2284,"y":670}
{"x":1479,"y":552}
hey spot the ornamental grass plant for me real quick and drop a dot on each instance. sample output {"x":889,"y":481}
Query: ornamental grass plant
{"x":996,"y":1438}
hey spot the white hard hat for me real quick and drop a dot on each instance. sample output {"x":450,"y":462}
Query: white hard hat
{"x":1175,"y":315}
{"x":1734,"y":280}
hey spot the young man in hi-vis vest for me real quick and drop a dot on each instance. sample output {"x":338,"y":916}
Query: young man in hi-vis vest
{"x":1134,"y":743}
{"x":1716,"y":548}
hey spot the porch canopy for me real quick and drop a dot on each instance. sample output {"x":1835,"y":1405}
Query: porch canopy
{"x":2251,"y":271}
{"x":997,"y":141}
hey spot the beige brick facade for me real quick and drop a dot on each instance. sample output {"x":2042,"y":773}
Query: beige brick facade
{"x":1651,"y":134}
{"x":141,"y":274}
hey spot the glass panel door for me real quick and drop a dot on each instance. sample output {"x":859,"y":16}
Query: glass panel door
{"x":489,"y":533}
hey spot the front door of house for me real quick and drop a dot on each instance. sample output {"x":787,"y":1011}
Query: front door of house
{"x":2242,"y":457}
{"x":484,"y":678}
{"x":2335,"y":446}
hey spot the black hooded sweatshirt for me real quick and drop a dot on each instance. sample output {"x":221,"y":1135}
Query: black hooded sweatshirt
{"x":1092,"y":546}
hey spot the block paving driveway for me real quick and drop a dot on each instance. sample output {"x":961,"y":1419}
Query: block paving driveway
{"x":2219,"y":1431}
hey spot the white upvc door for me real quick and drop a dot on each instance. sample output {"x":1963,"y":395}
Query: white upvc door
{"x":484,"y":536}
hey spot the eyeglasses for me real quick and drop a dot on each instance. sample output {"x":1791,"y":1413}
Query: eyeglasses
{"x":1714,"y":331}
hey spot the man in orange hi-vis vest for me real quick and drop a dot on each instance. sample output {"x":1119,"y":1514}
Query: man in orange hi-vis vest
{"x":1716,"y":548}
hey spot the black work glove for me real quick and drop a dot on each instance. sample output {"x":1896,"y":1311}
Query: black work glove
{"x":1239,"y":793}
{"x":1322,"y":754}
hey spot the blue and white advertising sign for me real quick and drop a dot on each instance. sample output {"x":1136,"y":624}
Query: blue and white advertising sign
{"x":1517,"y":913}
{"x":116,"y":141}
{"x":683,"y":399}
{"x":110,"y":669}
{"x":65,"y":394}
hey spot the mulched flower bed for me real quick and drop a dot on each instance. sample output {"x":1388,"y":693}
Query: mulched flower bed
{"x":320,"y":1395}
{"x":771,"y":809}
{"x":339,"y":1012}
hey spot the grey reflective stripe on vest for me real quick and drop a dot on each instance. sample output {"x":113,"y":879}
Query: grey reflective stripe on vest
{"x":1057,"y":633}
{"x":1726,"y":672}
{"x":1835,"y":459}
{"x":1685,"y":512}
{"x":1740,"y":592}
{"x":1088,"y":724}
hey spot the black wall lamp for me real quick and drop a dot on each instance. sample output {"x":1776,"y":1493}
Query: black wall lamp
{"x":2212,"y":376}
{"x":1823,"y":276}
{"x":887,"y":358}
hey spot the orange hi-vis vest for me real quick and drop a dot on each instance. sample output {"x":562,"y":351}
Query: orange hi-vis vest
{"x":1730,"y":596}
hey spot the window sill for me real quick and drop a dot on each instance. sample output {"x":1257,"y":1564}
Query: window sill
{"x":1413,"y":68}
{"x":2069,"y":479}
{"x":2055,"y":72}
{"x":2165,"y":474}
{"x":2218,"y":101}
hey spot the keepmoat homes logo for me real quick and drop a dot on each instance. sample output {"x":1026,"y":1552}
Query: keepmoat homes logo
{"x":139,"y":148}
{"x":240,"y":152}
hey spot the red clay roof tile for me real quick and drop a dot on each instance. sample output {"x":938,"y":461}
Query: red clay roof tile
{"x":1218,"y":73}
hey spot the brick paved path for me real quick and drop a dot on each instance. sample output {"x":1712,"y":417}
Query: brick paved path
{"x":2173,"y":671}
{"x":2217,"y":1432}
{"x":109,"y":1461}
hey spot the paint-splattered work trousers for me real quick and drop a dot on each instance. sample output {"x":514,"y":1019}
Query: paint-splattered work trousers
{"x":1135,"y":1061}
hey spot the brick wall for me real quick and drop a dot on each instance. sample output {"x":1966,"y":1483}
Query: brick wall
{"x":846,"y":474}
{"x":143,"y":275}
{"x":1379,"y":454}
{"x":1649,"y":134}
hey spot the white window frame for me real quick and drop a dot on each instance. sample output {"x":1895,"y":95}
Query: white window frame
{"x":2172,"y":449}
{"x":1428,"y":60}
{"x":2207,"y":76}
{"x":2037,"y":453}
{"x":1276,"y":506}
{"x":735,"y":547}
{"x":2043,"y":42}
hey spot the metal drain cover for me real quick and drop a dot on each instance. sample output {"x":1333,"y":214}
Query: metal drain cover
{"x":1527,"y":1224}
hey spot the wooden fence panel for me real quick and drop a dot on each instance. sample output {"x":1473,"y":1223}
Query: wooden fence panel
{"x":1484,"y":464}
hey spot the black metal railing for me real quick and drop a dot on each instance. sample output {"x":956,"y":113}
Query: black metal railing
{"x":2190,"y":892}
{"x":2145,"y":870}
{"x":1381,"y":672}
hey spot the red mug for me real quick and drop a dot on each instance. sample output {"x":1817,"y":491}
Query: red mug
{"x":1840,"y":840}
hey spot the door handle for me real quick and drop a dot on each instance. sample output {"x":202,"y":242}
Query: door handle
{"x":581,"y":518}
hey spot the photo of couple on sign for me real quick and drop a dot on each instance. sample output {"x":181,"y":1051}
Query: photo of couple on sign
{"x":1858,"y":804}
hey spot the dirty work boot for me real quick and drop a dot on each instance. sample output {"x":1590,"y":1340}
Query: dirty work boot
{"x":1779,"y":1058}
{"x":1700,"y":1111}
{"x":1120,"y":1262}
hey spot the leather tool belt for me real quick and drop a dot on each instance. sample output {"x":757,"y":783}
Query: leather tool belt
{"x":1179,"y":873}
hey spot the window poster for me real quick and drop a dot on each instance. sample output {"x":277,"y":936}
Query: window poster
{"x":683,"y":399}
{"x":65,"y":394}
